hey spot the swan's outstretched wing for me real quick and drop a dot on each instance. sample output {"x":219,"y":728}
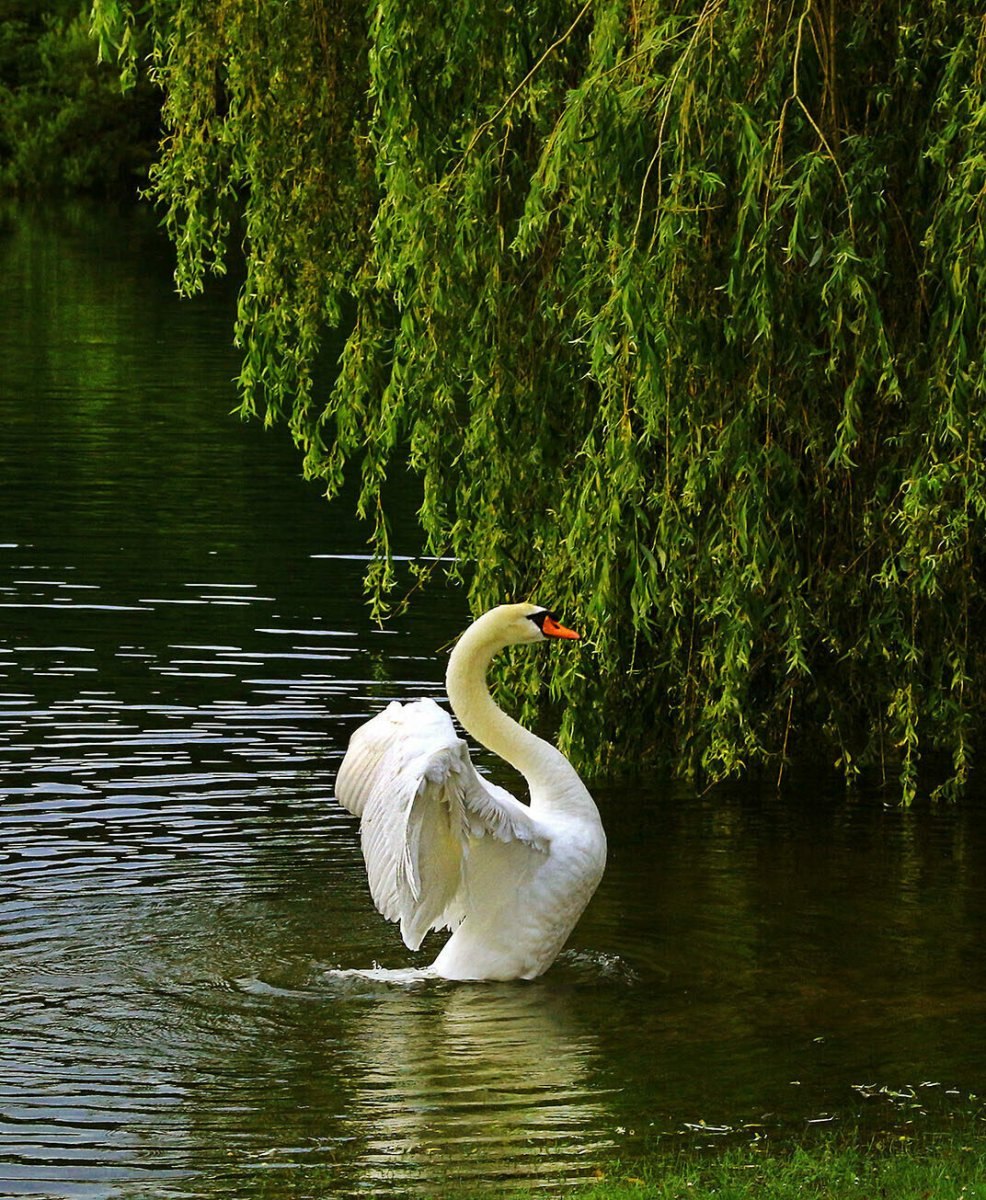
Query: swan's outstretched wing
{"x":422,"y":806}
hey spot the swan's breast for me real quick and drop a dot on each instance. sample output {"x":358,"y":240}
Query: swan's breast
{"x":522,"y":909}
{"x":572,"y":872}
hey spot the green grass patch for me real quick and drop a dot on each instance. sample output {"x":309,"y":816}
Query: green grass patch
{"x":952,"y":1169}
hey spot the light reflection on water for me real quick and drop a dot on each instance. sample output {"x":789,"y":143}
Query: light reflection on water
{"x":183,"y":653}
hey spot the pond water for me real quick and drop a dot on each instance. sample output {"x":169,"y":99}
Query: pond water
{"x":183,"y":653}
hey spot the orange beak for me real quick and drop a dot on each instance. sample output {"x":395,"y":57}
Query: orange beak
{"x":551,"y":628}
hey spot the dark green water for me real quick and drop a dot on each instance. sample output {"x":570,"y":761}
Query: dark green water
{"x":183,"y":653}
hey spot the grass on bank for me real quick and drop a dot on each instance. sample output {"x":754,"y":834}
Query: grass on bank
{"x":950,"y":1169}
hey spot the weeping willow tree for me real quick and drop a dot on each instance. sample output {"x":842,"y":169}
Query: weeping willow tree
{"x":675,"y":308}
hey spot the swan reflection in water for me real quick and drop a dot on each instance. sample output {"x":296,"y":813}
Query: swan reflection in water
{"x":500,"y":1078}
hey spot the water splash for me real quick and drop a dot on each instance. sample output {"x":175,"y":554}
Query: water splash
{"x":404,"y":978}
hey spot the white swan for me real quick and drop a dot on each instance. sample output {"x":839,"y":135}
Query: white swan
{"x":446,"y":849}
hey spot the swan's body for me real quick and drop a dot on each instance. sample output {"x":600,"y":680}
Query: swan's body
{"x":446,"y":849}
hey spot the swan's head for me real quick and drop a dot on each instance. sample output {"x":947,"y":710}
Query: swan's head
{"x":506,"y":625}
{"x":513,"y":624}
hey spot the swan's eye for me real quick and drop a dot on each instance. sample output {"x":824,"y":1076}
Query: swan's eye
{"x":539,"y":617}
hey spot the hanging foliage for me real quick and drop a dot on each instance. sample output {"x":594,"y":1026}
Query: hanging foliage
{"x":676,"y":309}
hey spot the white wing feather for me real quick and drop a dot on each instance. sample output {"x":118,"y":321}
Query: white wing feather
{"x":423,"y":811}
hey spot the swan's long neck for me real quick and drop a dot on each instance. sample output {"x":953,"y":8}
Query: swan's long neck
{"x":553,"y":781}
